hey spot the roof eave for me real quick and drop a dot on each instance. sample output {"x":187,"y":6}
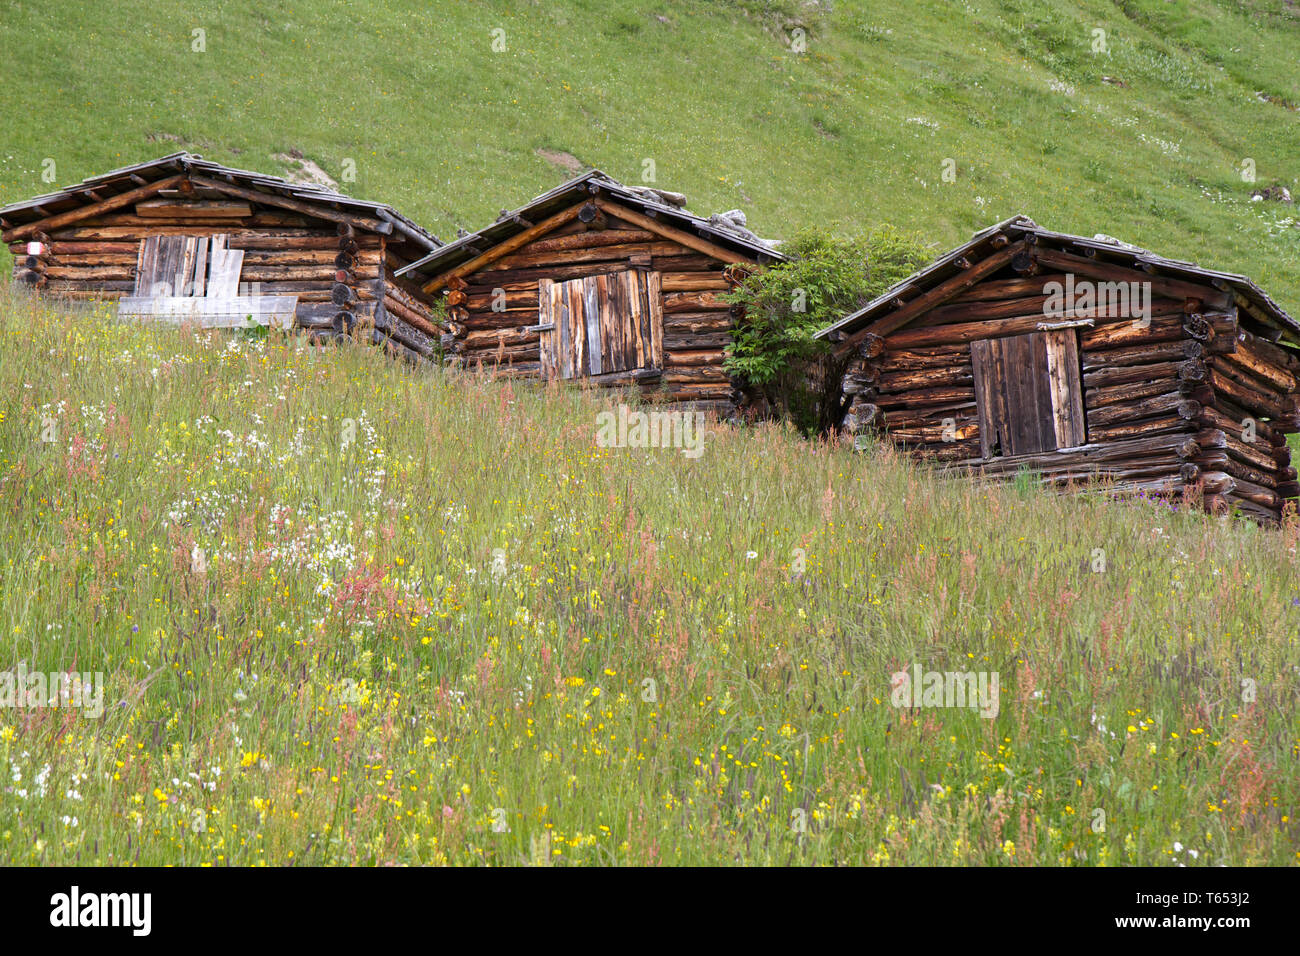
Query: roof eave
{"x":1024,"y":225}
{"x":607,"y":183}
{"x":188,"y":162}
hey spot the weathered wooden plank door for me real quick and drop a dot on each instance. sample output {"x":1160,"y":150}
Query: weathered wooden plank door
{"x":1066,"y":388}
{"x":600,"y":325}
{"x":224,"y":266}
{"x":548,"y":352}
{"x":146,"y":266}
{"x":1027,"y":393}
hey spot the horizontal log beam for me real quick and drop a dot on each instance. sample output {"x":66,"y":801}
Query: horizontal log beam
{"x":702,"y":246}
{"x":186,"y":209}
{"x":1160,"y":285}
{"x":503,"y":248}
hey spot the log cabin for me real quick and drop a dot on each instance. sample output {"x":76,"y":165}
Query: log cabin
{"x":1069,"y":358}
{"x":597,"y":282}
{"x":182,"y":238}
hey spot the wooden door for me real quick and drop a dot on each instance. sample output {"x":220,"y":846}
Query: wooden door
{"x":600,"y":325}
{"x":1028,"y":393}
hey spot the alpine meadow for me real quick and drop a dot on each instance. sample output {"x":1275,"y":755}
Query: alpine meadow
{"x":269,"y":600}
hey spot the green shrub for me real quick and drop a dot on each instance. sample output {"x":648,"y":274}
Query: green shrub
{"x":773,"y":352}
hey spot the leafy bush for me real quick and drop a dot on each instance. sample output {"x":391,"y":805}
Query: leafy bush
{"x":773,"y":351}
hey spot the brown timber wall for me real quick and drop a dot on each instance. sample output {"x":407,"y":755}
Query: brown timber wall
{"x":697,"y":323}
{"x":339,"y":275}
{"x":1199,"y":400}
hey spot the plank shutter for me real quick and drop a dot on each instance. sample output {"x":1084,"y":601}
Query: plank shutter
{"x":197,"y":278}
{"x":1066,"y":388}
{"x":548,"y":354}
{"x":146,"y":266}
{"x":1027,"y":393}
{"x":179,"y":266}
{"x":174,"y":266}
{"x":224,"y":268}
{"x":600,"y":325}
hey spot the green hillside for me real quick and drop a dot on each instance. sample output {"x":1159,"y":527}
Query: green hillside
{"x":1144,"y":141}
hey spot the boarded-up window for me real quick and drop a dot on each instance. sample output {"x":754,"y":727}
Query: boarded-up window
{"x":1027,"y":393}
{"x":187,"y":266}
{"x":600,"y":325}
{"x":197,"y":278}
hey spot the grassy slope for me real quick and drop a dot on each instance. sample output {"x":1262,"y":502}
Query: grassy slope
{"x":342,"y":736}
{"x":356,"y":673}
{"x":849,"y":133}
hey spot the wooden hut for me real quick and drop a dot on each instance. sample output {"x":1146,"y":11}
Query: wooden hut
{"x":180,"y":237}
{"x":1073,"y":357}
{"x":599,"y":282}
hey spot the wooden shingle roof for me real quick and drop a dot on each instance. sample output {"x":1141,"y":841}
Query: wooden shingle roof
{"x":379,"y":217}
{"x":1102,"y":250}
{"x":593,"y":182}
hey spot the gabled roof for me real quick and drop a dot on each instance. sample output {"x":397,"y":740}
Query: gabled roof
{"x":510,"y":224}
{"x":129,"y":178}
{"x":1104,"y":250}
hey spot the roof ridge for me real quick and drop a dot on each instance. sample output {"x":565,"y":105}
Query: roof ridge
{"x":1023,"y":223}
{"x":189,"y":161}
{"x":511,"y":218}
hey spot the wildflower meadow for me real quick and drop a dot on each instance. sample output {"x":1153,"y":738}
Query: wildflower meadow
{"x":343,"y":611}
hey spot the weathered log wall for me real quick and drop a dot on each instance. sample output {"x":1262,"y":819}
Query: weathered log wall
{"x":493,"y":309}
{"x":341,"y":275}
{"x":1200,"y":399}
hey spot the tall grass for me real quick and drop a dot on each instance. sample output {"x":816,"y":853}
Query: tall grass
{"x":351,"y":613}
